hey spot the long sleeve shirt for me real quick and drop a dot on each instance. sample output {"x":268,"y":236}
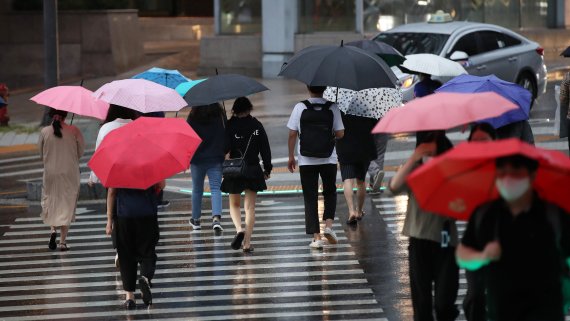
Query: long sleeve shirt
{"x":238,"y":134}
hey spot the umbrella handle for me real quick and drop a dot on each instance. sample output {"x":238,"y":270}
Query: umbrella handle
{"x":336,"y":99}
{"x":72,"y":116}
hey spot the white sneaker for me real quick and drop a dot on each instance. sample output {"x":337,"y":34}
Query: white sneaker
{"x":330,"y":235}
{"x":377,"y":182}
{"x":316,"y":244}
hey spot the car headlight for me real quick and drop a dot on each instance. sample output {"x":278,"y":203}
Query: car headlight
{"x":408,"y":82}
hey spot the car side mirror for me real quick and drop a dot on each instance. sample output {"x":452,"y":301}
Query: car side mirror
{"x":458,"y":56}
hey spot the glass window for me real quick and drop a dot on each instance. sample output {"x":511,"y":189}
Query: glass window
{"x":409,"y":43}
{"x":328,"y":15}
{"x":510,"y":41}
{"x":467,"y":44}
{"x":491,"y":40}
{"x":240,"y":17}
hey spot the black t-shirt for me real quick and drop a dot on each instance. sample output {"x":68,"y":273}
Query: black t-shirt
{"x":238,"y":133}
{"x":525,"y":283}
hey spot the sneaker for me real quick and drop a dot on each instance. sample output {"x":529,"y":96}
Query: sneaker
{"x":195,"y":224}
{"x":377,"y":181}
{"x":145,"y":290}
{"x":216,"y":226}
{"x":163,"y":205}
{"x":316,"y":244}
{"x":330,"y":235}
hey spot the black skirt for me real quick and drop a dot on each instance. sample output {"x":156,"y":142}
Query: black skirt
{"x":253,"y":180}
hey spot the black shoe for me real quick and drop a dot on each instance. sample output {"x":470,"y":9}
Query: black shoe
{"x":236,"y":243}
{"x":130,"y":304}
{"x":145,"y":290}
{"x":163,"y":205}
{"x":52,"y":238}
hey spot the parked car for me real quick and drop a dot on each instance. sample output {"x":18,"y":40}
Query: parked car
{"x":483,"y":49}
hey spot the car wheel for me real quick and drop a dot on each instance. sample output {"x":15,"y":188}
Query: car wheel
{"x":526,"y":81}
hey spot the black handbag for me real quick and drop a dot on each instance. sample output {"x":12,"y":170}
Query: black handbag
{"x":236,"y":167}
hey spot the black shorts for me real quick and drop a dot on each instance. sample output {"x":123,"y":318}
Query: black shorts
{"x":354,"y":170}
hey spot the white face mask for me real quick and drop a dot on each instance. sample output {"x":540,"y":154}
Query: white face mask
{"x":512,"y":188}
{"x":426,"y":159}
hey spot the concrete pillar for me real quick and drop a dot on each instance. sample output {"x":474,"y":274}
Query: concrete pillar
{"x":217,"y":16}
{"x":359,"y":8}
{"x":279,"y":25}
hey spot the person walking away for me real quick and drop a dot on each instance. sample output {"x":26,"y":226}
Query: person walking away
{"x":474,"y":301}
{"x":426,"y":86}
{"x":355,"y":151}
{"x":246,"y":137}
{"x":565,"y":101}
{"x":522,"y":241}
{"x":316,"y":123}
{"x":117,"y":117}
{"x":376,"y":168}
{"x":60,"y":146}
{"x":4,"y":94}
{"x":209,"y":123}
{"x":432,"y":242}
{"x":137,"y":236}
{"x":162,"y":204}
{"x":520,"y":129}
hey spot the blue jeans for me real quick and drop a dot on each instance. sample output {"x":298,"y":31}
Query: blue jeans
{"x":199,"y":172}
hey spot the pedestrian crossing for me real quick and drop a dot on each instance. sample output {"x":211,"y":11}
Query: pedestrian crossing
{"x":198,"y":277}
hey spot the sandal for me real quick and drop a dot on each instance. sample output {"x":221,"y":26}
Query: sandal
{"x":52,"y":237}
{"x":361,"y":215}
{"x":248,"y":250}
{"x":352,"y":220}
{"x":238,"y":239}
{"x":63,"y":247}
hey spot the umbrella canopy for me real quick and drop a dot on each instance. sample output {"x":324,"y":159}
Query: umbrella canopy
{"x":166,"y":77}
{"x":566,"y":52}
{"x":141,"y":95}
{"x":441,"y":111}
{"x":389,"y":54}
{"x":74,"y":99}
{"x":455,"y":183}
{"x":513,"y":92}
{"x":432,"y":65}
{"x":371,"y":103}
{"x":183,"y":88}
{"x":339,"y":66}
{"x":222,"y":87}
{"x":144,"y":152}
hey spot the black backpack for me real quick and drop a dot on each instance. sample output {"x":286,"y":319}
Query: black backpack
{"x":317,"y":135}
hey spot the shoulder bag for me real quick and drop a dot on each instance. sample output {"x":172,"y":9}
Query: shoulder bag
{"x":236,"y":167}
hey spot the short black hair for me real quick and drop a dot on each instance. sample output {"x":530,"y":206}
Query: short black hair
{"x":317,"y":89}
{"x":116,"y":111}
{"x":442,"y":143}
{"x":484,"y":127}
{"x":242,"y":105}
{"x":517,"y":161}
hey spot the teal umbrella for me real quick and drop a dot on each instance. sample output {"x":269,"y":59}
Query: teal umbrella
{"x":166,"y":77}
{"x":183,"y":88}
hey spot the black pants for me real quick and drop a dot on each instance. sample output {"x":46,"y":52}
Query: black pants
{"x":310,"y":183}
{"x":474,"y":301}
{"x":136,"y":243}
{"x":430,"y":263}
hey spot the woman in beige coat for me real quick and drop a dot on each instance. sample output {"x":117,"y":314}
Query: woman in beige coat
{"x":60,"y":147}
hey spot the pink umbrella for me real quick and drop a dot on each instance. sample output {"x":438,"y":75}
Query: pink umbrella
{"x":141,"y":95}
{"x":441,"y":111}
{"x":74,"y":99}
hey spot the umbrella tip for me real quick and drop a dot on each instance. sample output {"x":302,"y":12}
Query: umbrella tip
{"x":216,"y":71}
{"x":342,"y":43}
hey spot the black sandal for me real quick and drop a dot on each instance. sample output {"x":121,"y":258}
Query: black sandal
{"x":238,"y":239}
{"x":361,"y":215}
{"x":63,"y":247}
{"x":352,"y":220}
{"x":52,"y":238}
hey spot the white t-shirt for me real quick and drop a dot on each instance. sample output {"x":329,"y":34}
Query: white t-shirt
{"x":295,"y":124}
{"x":103,"y":131}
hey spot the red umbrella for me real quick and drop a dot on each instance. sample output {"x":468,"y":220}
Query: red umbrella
{"x":458,"y":181}
{"x":144,"y":152}
{"x":441,"y":111}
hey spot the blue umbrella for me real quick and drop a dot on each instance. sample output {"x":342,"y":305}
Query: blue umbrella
{"x":513,"y":92}
{"x":166,"y":77}
{"x":183,"y":88}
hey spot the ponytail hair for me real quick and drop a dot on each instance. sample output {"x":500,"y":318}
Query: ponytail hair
{"x":58,"y":116}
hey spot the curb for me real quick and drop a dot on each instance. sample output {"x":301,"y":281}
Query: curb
{"x":4,"y":150}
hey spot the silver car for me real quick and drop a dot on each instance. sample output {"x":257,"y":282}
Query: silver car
{"x":483,"y":49}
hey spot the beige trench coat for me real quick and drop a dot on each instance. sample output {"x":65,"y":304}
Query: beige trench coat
{"x":60,"y":188}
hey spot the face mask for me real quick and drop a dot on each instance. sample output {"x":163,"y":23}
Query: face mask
{"x":512,"y":188}
{"x":426,"y":159}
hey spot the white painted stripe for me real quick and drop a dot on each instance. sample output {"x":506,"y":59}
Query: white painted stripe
{"x":190,"y":255}
{"x":72,"y":237}
{"x":250,"y":296}
{"x":257,"y":267}
{"x":288,"y":314}
{"x":212,"y":287}
{"x":144,"y":312}
{"x":390,"y":212}
{"x":104,"y":246}
{"x":204,"y":278}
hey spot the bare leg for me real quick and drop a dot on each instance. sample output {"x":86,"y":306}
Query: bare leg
{"x":360,"y":196}
{"x":249,"y":206}
{"x":129,"y":295}
{"x":329,"y":223}
{"x":235,"y":211}
{"x":348,"y":195}
{"x":53,"y":229}
{"x":64,"y":229}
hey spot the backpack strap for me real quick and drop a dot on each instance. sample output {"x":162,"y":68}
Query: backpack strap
{"x":325,"y":106}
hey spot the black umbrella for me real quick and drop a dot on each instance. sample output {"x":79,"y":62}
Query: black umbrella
{"x":566,"y":52}
{"x":339,"y":66}
{"x":222,"y":87}
{"x":389,"y":54}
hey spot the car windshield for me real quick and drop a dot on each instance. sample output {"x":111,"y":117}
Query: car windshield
{"x":409,"y":43}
